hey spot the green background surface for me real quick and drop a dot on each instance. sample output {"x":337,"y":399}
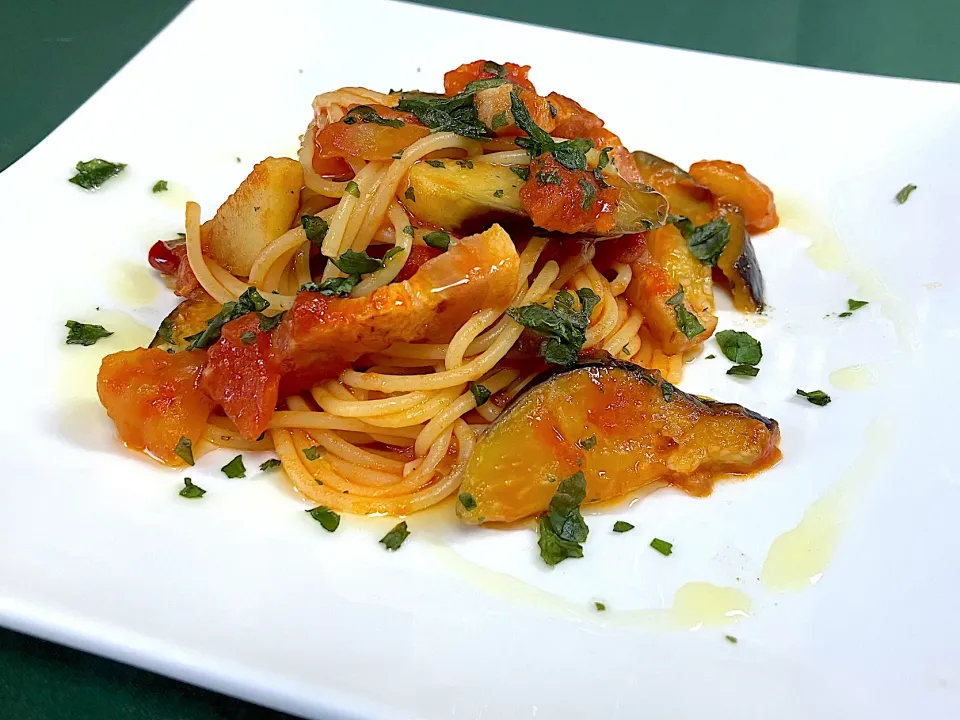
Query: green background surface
{"x":55,"y":54}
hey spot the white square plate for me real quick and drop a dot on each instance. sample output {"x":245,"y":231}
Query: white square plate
{"x":243,"y":592}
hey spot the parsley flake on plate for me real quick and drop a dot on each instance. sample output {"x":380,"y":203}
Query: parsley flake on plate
{"x":94,"y":173}
{"x":562,"y":528}
{"x":327,"y":518}
{"x":396,"y":537}
{"x":817,"y":397}
{"x":84,"y":334}
{"x":661,"y":546}
{"x":184,"y":450}
{"x":160,"y":186}
{"x":739,"y":347}
{"x":622,"y":526}
{"x":235,"y":468}
{"x":191,"y":491}
{"x":270,"y":464}
{"x":905,"y":193}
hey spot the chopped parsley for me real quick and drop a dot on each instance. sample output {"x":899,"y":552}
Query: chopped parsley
{"x":480,"y":393}
{"x":817,"y":397}
{"x":436,"y":163}
{"x":572,"y":154}
{"x":269,"y":323}
{"x":191,"y":491}
{"x":551,"y":177}
{"x":521,"y":171}
{"x":248,"y":337}
{"x":410,"y":194}
{"x":683,"y":224}
{"x":394,"y":539}
{"x":84,"y":334}
{"x":599,"y":606}
{"x":327,"y":518}
{"x":731,"y":639}
{"x":456,"y":114}
{"x":589,"y":194}
{"x":339,"y":287}
{"x":661,"y":546}
{"x":468,"y":163}
{"x":312,"y":453}
{"x":687,"y":322}
{"x":711,"y":356}
{"x":622,"y":526}
{"x":437,"y":239}
{"x":352,"y":189}
{"x":855,"y":304}
{"x":94,"y":173}
{"x":315,"y":228}
{"x":235,"y":468}
{"x":668,"y":391}
{"x":562,"y":529}
{"x":467,"y":500}
{"x":563,"y":327}
{"x":498,"y":120}
{"x":165,"y":331}
{"x":409,"y":230}
{"x":391,"y":253}
{"x":250,"y":301}
{"x":357,"y":263}
{"x":744,"y":370}
{"x":739,"y":347}
{"x":707,"y":241}
{"x":604,"y":159}
{"x":270,"y":464}
{"x":588,"y":443}
{"x":367,"y":114}
{"x":160,"y":186}
{"x":184,"y":450}
{"x":904,"y":193}
{"x":498,"y":193}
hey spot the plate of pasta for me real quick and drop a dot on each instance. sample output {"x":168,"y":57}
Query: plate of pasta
{"x":403,"y":402}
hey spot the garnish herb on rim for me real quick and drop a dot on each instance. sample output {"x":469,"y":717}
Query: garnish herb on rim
{"x":84,"y":334}
{"x":327,"y":518}
{"x":622,"y":526}
{"x":94,"y":173}
{"x":352,"y":189}
{"x":661,"y":546}
{"x":250,"y":301}
{"x":707,"y":241}
{"x":248,"y":338}
{"x":437,"y":239}
{"x":184,"y":450}
{"x":357,"y":263}
{"x":817,"y":397}
{"x":367,"y":114}
{"x":572,"y":154}
{"x":340,"y":286}
{"x":315,"y":228}
{"x":744,"y":370}
{"x":191,"y":491}
{"x":312,"y":453}
{"x":270,"y":464}
{"x":410,"y":194}
{"x":235,"y":468}
{"x":467,"y":500}
{"x":521,"y":171}
{"x":588,"y":443}
{"x":436,"y":163}
{"x":599,"y":606}
{"x":739,"y":347}
{"x":394,"y":539}
{"x":589,"y":194}
{"x":480,"y":393}
{"x":687,"y":322}
{"x":160,"y":186}
{"x":905,"y":192}
{"x":562,"y":529}
{"x":564,"y":327}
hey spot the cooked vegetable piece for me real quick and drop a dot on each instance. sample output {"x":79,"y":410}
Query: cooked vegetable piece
{"x":641,"y":438}
{"x":456,"y":196}
{"x":686,"y":196}
{"x":732,"y":184}
{"x":669,"y":248}
{"x":260,"y":211}
{"x":154,"y":399}
{"x":738,"y":262}
{"x":361,"y":135}
{"x":186,"y":319}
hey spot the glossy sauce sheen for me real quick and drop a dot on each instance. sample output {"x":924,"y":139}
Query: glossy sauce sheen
{"x":546,"y":435}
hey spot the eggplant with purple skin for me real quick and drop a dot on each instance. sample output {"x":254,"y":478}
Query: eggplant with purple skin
{"x":690,"y":199}
{"x":623,"y":426}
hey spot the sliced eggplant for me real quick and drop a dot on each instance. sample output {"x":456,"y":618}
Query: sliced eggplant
{"x":669,"y":248}
{"x":186,"y":319}
{"x":455,"y":194}
{"x":686,"y":196}
{"x":739,"y":265}
{"x":623,"y":426}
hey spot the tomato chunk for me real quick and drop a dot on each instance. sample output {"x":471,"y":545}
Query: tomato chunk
{"x":154,"y":399}
{"x":731,"y":183}
{"x":368,"y":140}
{"x":568,"y":201}
{"x":624,"y":249}
{"x":456,"y":80}
{"x":242,"y":376}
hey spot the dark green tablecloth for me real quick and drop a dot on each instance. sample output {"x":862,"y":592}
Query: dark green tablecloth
{"x":55,"y":54}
